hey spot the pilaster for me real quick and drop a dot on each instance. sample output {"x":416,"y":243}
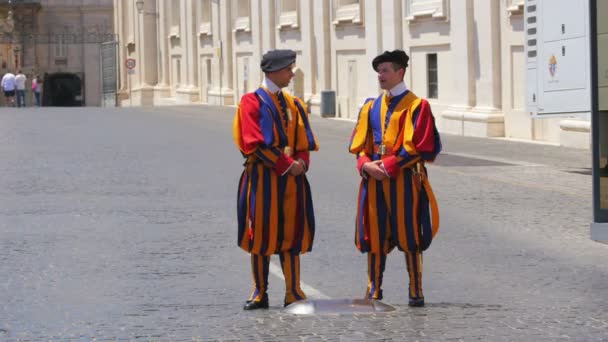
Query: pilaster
{"x":373,"y":42}
{"x":462,"y":46}
{"x":306,"y":61}
{"x":188,"y":92}
{"x":222,"y":93}
{"x":476,"y":107}
{"x":162,"y":89}
{"x":146,"y":48}
{"x":488,"y":107}
{"x":391,"y":24}
{"x":321,"y":52}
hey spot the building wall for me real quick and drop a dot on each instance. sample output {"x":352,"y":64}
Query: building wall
{"x":428,"y":30}
{"x":209,"y":51}
{"x":518,"y":123}
{"x":60,"y":36}
{"x":91,"y":22}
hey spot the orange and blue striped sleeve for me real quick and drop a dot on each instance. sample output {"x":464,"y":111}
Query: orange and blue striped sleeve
{"x":359,"y":136}
{"x":254,"y":135}
{"x":419,"y":140}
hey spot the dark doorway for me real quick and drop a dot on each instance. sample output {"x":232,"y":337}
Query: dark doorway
{"x":62,"y":90}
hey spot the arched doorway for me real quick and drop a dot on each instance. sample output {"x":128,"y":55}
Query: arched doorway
{"x":62,"y":90}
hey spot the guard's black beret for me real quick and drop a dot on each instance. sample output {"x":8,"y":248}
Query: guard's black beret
{"x":275,"y":60}
{"x":396,"y":56}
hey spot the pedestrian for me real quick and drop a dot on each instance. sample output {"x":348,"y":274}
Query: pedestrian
{"x":394,"y":136}
{"x":274,"y":203}
{"x":8,"y":87}
{"x":20,"y":80}
{"x":36,"y":89}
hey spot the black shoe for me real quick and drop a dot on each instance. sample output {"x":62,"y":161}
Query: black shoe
{"x":254,"y":305}
{"x":416,"y":302}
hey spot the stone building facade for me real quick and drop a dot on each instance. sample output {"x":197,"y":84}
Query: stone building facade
{"x":467,"y":56}
{"x":60,"y":41}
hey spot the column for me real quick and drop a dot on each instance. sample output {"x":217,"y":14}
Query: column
{"x":391,"y":24}
{"x":268,"y":24}
{"x":475,"y":46}
{"x":119,"y":29}
{"x":188,"y":92}
{"x":149,"y":59}
{"x":462,"y":50}
{"x":162,"y":89}
{"x":263,"y":32}
{"x":373,"y":43}
{"x":147,"y":52}
{"x":488,"y":83}
{"x":223,"y":93}
{"x":227,"y":60}
{"x":487,"y":118}
{"x":306,"y":60}
{"x":320,"y":51}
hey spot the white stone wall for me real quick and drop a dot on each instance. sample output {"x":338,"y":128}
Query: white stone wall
{"x":209,"y":52}
{"x":518,"y":123}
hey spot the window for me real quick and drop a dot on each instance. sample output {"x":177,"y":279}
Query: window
{"x":61,"y":48}
{"x":431,"y":76}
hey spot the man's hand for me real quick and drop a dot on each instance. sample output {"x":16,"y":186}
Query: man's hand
{"x":297,"y":168}
{"x":374,"y":169}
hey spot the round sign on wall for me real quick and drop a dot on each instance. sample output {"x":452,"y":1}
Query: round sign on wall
{"x":130,"y":63}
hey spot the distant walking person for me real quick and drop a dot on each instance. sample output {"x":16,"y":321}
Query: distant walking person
{"x":20,"y":85}
{"x":274,"y":202}
{"x":36,"y":89}
{"x":395,"y":135}
{"x":8,"y":87}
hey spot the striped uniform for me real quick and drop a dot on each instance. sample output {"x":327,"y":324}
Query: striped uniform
{"x":275,"y":209}
{"x":399,"y":211}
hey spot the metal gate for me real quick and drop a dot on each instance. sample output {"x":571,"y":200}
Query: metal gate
{"x":109,"y":73}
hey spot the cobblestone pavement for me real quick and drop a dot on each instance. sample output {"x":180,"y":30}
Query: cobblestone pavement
{"x":119,"y":224}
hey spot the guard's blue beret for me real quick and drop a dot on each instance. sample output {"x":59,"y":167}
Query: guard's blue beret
{"x":396,"y":56}
{"x":275,"y":60}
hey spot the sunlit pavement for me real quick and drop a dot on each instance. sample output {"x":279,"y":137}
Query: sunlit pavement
{"x":119,"y":224}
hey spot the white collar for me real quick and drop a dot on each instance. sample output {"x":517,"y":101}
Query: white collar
{"x":399,"y":89}
{"x":268,"y":84}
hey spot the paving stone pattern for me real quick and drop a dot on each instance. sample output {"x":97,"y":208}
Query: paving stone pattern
{"x":119,"y":224}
